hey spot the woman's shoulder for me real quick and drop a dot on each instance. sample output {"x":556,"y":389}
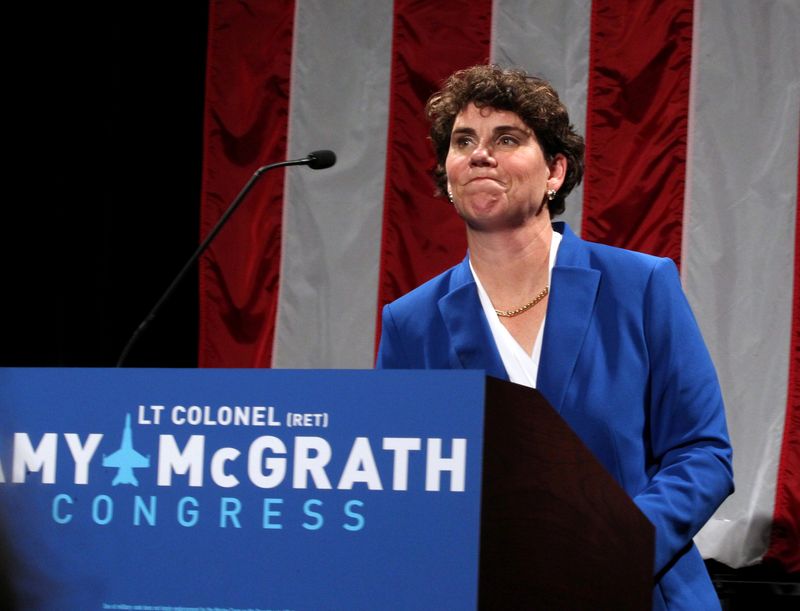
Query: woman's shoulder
{"x":624,"y":273}
{"x":611,"y":260}
{"x":616,"y":258}
{"x":430,"y":292}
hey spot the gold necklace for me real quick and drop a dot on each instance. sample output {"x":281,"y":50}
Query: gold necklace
{"x":526,"y":307}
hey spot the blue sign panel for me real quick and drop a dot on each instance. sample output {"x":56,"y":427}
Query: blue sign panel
{"x":241,"y":489}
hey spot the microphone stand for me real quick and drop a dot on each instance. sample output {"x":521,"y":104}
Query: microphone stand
{"x":310,"y":160}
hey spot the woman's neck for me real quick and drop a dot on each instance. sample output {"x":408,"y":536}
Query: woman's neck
{"x":513,"y":265}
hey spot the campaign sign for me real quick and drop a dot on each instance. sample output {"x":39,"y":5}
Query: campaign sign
{"x":240,"y":489}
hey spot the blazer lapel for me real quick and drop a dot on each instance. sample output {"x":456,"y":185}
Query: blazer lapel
{"x":573,"y":294}
{"x":470,"y":336}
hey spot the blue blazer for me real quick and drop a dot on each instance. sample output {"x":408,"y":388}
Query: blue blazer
{"x":624,"y":364}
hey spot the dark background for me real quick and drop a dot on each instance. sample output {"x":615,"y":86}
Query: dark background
{"x":104,"y":161}
{"x":103,"y":167}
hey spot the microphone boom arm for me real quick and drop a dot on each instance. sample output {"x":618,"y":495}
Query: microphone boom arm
{"x":316,"y":160}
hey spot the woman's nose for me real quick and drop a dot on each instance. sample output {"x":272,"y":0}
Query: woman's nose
{"x":481,"y":156}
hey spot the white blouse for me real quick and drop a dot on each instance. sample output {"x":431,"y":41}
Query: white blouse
{"x":521,"y":367}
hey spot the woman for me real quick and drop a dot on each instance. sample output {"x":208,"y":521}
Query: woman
{"x":605,"y":334}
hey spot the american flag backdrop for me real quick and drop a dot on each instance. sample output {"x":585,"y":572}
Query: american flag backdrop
{"x":691,"y":112}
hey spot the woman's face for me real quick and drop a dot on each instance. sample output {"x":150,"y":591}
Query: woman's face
{"x":496,"y":170}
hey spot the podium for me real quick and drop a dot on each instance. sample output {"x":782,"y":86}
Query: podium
{"x":270,"y":489}
{"x":557,"y":532}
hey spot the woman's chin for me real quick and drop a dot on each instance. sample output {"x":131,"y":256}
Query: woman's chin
{"x":480,"y":206}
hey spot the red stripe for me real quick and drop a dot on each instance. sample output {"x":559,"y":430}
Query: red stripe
{"x":246,"y":121}
{"x":421,"y":234}
{"x":785,"y":541}
{"x":636,"y":127}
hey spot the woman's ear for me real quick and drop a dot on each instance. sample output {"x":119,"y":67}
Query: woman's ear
{"x":558,"y":172}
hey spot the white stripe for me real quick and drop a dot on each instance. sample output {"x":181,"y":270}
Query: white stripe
{"x":332,"y":218}
{"x":549,"y":39}
{"x":738,"y":266}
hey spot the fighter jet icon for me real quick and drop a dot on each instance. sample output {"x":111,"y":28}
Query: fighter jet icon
{"x":126,"y":459}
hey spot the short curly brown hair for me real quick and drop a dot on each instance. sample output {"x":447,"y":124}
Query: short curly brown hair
{"x":533,"y":99}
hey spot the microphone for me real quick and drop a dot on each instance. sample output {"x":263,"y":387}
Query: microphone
{"x":321,"y":160}
{"x":316,"y":160}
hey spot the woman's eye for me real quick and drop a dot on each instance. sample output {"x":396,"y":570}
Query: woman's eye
{"x":507,"y":140}
{"x":463,"y":141}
